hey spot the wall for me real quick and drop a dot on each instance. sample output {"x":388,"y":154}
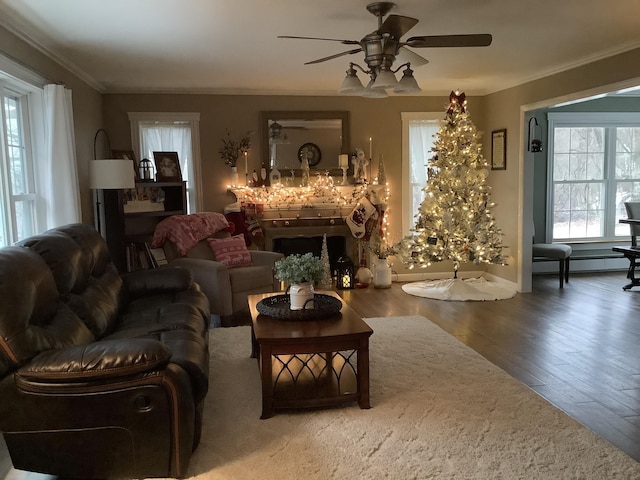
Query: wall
{"x":506,"y":109}
{"x":87,"y":106}
{"x":375,"y":118}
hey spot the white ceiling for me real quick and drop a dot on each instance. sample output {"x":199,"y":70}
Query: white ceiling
{"x":230,"y":46}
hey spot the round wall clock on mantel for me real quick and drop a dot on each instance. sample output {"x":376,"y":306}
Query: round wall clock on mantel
{"x":312,"y":153}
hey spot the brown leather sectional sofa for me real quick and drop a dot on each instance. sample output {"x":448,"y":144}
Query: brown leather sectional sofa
{"x":101,"y":375}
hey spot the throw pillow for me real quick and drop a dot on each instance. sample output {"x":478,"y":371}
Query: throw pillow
{"x":231,"y":251}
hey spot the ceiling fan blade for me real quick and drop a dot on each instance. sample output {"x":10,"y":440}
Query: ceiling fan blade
{"x":345,"y":42}
{"x":397,"y":25}
{"x":405,"y":55}
{"x":348,"y":52}
{"x":430,"y":41}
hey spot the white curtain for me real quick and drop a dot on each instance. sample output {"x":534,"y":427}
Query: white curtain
{"x":61,"y":181}
{"x":171,"y":138}
{"x":421,"y":141}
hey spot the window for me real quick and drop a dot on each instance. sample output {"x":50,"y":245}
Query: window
{"x":172,"y":132}
{"x":22,"y":211}
{"x":418,"y":130}
{"x":594,"y":165}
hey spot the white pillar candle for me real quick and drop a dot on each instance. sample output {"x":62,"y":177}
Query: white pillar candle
{"x":370,"y":147}
{"x":343,"y":160}
{"x":246,"y":164}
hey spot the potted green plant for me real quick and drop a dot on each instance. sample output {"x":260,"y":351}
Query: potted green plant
{"x":300,"y":271}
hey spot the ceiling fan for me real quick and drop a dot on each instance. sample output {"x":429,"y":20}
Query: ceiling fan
{"x":382,"y":46}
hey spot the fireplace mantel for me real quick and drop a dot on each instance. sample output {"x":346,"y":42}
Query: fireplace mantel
{"x":320,"y":198}
{"x":302,"y":212}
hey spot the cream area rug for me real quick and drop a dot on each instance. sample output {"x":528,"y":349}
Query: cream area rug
{"x":439,"y":411}
{"x":460,"y":290}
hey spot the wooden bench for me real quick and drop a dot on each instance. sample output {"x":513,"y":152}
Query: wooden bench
{"x":548,"y":252}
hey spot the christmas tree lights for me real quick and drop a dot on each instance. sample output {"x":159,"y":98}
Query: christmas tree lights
{"x":455,"y":221}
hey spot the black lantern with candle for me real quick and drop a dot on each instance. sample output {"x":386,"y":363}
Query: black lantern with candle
{"x":345,"y":279}
{"x":146,"y":170}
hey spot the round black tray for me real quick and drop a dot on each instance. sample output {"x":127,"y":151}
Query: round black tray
{"x":278,"y":306}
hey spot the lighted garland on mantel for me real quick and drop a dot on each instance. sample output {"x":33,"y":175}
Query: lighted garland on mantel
{"x":321,"y":194}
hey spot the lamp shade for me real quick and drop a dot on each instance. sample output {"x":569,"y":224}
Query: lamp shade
{"x":385,"y":79}
{"x":407,"y":83}
{"x":370,"y":92}
{"x":351,"y":85}
{"x":111,"y":174}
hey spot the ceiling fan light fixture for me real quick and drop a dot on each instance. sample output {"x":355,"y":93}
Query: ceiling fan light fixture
{"x":351,"y":85}
{"x":408,"y":83}
{"x":371,"y":92}
{"x":384,"y":79}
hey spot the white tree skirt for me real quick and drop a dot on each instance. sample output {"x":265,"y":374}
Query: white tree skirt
{"x":459,"y":290}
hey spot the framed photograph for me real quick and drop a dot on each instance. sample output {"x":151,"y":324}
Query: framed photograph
{"x":167,"y":167}
{"x":499,"y":149}
{"x":128,"y":155}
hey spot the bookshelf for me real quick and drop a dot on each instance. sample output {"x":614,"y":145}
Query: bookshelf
{"x":131,"y":216}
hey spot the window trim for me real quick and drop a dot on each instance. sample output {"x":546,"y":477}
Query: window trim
{"x":605,"y":120}
{"x":30,"y":98}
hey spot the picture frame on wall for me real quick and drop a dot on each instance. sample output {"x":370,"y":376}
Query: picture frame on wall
{"x":167,"y":167}
{"x":499,"y":149}
{"x":127,"y":155}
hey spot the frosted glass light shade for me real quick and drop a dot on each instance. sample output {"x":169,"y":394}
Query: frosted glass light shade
{"x":385,"y":79}
{"x":111,"y":174}
{"x":351,"y":85}
{"x":407,"y":83}
{"x":370,"y":92}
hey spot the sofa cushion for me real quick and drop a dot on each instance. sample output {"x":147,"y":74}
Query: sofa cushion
{"x":32,"y":319}
{"x":98,"y":360}
{"x":98,"y":304}
{"x":231,"y":251}
{"x":159,"y":313}
{"x":63,"y":256}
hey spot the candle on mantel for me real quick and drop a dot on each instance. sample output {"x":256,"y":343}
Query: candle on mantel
{"x":343,"y":160}
{"x":370,"y":147}
{"x":246,"y":165}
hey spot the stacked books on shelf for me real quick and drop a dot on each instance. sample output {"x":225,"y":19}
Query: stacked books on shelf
{"x":141,"y":257}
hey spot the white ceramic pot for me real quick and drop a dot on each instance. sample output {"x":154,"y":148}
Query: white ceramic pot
{"x":382,"y":274}
{"x":299,"y":294}
{"x":234,"y":176}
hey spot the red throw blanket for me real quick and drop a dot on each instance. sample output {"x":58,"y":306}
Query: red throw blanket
{"x":187,"y":230}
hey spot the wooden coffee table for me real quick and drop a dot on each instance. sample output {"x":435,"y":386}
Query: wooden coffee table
{"x":311,"y":363}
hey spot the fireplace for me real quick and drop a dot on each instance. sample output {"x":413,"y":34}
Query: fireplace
{"x":303,"y":237}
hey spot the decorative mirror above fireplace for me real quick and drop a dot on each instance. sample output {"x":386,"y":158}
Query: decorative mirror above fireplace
{"x":289,"y":137}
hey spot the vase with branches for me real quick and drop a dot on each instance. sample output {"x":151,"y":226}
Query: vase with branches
{"x":231,"y":149}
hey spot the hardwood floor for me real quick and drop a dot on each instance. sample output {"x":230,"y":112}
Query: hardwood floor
{"x":578,"y":347}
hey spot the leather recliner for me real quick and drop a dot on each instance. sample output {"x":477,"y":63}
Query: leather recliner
{"x":101,"y":375}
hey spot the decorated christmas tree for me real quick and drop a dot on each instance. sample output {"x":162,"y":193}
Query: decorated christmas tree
{"x":455,"y":221}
